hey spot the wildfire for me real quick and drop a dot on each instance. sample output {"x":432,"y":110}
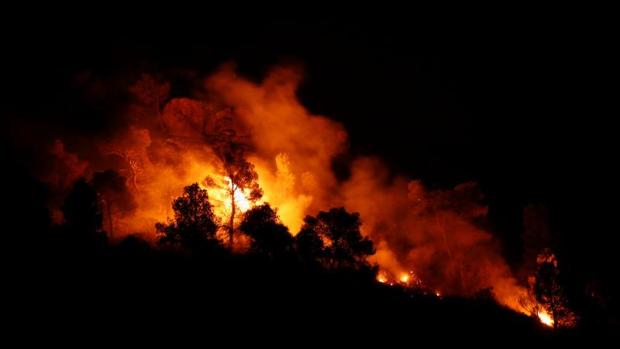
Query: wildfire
{"x":410,"y":280}
{"x":241,"y":200}
{"x":219,"y":194}
{"x":292,"y":150}
{"x":404,"y":278}
{"x":545,"y":318}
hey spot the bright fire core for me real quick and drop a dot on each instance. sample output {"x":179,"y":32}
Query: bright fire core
{"x":545,"y":318}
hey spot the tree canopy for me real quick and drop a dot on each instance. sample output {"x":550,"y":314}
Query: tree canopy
{"x":194,"y":224}
{"x":334,"y":239}
{"x":548,"y":291}
{"x":269,"y":236}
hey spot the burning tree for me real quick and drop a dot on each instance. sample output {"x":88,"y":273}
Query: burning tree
{"x":241,"y":179}
{"x":194,"y":224}
{"x":334,"y":239}
{"x":545,"y":298}
{"x":548,"y":292}
{"x":269,"y":236}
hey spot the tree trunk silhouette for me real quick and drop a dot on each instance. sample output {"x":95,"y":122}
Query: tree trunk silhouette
{"x":231,"y":230}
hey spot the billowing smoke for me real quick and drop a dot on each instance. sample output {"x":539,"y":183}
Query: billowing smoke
{"x":437,"y":234}
{"x":293,"y":149}
{"x":166,"y":144}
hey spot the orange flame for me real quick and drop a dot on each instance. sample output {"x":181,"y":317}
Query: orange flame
{"x":382,"y":278}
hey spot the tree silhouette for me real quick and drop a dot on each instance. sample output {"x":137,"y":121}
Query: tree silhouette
{"x":82,"y":215}
{"x":269,"y":236}
{"x":309,"y":245}
{"x":194,"y":224}
{"x":240,"y":174}
{"x":549,"y":293}
{"x":333,"y":239}
{"x":114,"y":196}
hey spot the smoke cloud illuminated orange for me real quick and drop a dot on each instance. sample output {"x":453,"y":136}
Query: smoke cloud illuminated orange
{"x":436,"y":233}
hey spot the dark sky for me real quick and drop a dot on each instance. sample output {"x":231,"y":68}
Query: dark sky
{"x":520,"y":105}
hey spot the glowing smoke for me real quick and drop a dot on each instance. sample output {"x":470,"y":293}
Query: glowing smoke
{"x":166,"y":146}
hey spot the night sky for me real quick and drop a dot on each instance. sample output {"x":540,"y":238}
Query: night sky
{"x":519,"y":105}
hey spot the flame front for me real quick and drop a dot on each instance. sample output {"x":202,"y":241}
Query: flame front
{"x":292,"y":150}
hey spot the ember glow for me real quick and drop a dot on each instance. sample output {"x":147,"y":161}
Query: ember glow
{"x":165,"y":145}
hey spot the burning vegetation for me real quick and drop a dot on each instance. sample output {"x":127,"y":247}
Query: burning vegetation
{"x":244,"y":165}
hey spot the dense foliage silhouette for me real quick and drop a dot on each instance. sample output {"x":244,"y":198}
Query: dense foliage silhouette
{"x":318,"y":279}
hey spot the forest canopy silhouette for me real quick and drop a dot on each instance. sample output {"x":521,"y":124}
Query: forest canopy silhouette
{"x":169,"y":187}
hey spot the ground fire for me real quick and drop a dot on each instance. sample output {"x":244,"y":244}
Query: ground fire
{"x":250,"y":143}
{"x":545,"y":318}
